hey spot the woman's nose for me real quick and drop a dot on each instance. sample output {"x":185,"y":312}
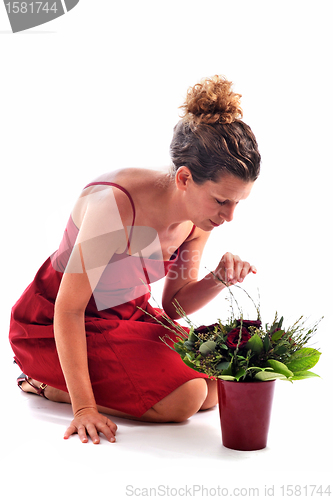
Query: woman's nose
{"x":228,"y":213}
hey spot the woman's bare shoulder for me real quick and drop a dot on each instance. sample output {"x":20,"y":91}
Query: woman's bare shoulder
{"x":127,"y":177}
{"x":103,"y":198}
{"x":135,"y":181}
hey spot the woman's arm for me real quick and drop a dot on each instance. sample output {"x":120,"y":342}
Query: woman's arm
{"x":70,"y":337}
{"x":182,"y":281}
{"x":95,"y":245}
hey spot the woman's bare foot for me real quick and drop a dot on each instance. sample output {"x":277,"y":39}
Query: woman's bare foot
{"x":50,"y":393}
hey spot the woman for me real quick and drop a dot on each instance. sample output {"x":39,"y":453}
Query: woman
{"x":80,"y":332}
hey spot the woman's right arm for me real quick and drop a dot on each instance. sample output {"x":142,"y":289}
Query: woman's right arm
{"x":70,"y":337}
{"x":95,"y":244}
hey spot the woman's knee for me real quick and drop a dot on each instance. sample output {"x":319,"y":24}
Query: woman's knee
{"x":212,"y":397}
{"x":183,"y":402}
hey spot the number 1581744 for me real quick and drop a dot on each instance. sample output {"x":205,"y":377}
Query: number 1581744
{"x":31,"y":7}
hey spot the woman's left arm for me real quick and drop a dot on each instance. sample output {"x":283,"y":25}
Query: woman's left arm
{"x":182,"y":279}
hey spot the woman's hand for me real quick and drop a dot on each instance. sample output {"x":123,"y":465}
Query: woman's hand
{"x":89,"y":420}
{"x":232,"y":269}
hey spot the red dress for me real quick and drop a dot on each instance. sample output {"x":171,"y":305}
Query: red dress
{"x":130,"y":368}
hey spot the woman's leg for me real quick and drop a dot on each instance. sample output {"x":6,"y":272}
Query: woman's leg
{"x":178,"y":406}
{"x":212,"y":397}
{"x":50,"y":393}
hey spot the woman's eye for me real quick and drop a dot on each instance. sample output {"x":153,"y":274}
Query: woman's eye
{"x":221,"y":202}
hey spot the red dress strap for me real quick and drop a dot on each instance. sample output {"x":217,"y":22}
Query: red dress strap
{"x":127,"y":194}
{"x":193,"y":228}
{"x":117,"y":186}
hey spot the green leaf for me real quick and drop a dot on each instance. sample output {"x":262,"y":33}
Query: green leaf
{"x":189,"y":345}
{"x":267,"y":343}
{"x":226,"y":377}
{"x":303,"y":359}
{"x":178,"y":346}
{"x":190,"y":356}
{"x":255,"y":344}
{"x":281,"y":349}
{"x":207,"y":347}
{"x":192,"y":336}
{"x":191,"y":365}
{"x":279,"y":367}
{"x":277,"y":335}
{"x":303,"y":375}
{"x":223,"y":365}
{"x":280,"y":322}
{"x":258,"y":368}
{"x":240,"y":374}
{"x":268,"y":375}
{"x":228,"y":370}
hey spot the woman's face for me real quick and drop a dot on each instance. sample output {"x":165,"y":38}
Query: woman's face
{"x":213,"y":203}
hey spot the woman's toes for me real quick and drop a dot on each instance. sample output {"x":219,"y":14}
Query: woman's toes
{"x":26,"y":387}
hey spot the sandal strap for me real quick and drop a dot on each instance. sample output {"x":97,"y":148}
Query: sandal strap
{"x":24,"y":378}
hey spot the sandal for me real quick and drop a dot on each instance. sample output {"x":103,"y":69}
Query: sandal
{"x":24,"y":378}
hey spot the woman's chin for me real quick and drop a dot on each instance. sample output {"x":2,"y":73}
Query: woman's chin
{"x":205,"y":226}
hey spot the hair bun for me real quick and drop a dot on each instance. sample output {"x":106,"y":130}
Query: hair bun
{"x":212,"y":101}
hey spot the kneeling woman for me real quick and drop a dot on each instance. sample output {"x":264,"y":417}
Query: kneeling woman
{"x":80,"y":332}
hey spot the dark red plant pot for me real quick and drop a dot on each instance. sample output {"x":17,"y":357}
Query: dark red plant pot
{"x":245,"y":411}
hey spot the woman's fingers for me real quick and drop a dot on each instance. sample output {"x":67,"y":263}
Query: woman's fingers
{"x":112,"y":425}
{"x":253,"y":270}
{"x":69,"y":431}
{"x":238,"y":269}
{"x":108,"y":432}
{"x":82,"y":434}
{"x":228,"y":265}
{"x":72,"y":429}
{"x":92,"y":426}
{"x":232,"y":269}
{"x":244,"y":271}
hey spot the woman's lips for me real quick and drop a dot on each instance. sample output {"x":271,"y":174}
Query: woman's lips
{"x":214,"y":224}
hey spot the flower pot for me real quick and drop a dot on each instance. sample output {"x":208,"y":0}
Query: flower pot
{"x":245,"y":410}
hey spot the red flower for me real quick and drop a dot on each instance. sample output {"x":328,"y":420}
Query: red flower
{"x":249,"y":322}
{"x":205,"y":329}
{"x":233,"y":338}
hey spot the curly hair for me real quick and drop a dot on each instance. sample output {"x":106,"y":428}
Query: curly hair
{"x":211,"y":139}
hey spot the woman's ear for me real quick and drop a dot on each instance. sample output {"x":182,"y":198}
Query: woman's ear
{"x":183,"y":178}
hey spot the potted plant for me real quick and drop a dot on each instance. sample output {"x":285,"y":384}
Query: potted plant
{"x":245,"y":357}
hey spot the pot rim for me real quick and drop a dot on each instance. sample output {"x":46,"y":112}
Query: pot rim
{"x":246,"y":383}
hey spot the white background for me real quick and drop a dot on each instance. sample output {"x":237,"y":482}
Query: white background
{"x":98,"y":89}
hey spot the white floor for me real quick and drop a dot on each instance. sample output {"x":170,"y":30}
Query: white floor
{"x":171,"y":460}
